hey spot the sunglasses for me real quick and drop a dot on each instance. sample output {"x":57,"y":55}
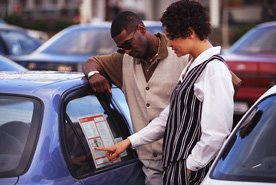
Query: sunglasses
{"x":127,"y":45}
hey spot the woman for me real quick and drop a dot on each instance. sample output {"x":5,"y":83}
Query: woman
{"x":200,"y":114}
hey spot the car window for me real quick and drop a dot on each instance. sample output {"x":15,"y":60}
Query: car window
{"x":18,"y":43}
{"x":250,"y":154}
{"x":18,"y":127}
{"x":3,"y":48}
{"x":93,"y":121}
{"x":155,"y":29}
{"x":260,"y":40}
{"x":89,"y":41}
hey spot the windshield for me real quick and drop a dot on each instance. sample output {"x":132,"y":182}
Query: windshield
{"x":261,"y":40}
{"x":84,"y":40}
{"x":250,"y":154}
{"x":18,"y":43}
{"x":16,"y":120}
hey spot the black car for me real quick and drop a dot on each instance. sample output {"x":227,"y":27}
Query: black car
{"x":70,"y":48}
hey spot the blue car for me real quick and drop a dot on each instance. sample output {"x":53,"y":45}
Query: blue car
{"x":9,"y":65}
{"x":16,"y":41}
{"x":69,"y":49}
{"x":50,"y":123}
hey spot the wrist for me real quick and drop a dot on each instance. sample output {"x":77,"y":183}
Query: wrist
{"x":92,"y":73}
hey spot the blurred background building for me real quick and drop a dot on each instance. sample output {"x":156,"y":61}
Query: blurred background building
{"x":229,"y":18}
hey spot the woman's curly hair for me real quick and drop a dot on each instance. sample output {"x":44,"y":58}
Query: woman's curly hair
{"x":185,"y":14}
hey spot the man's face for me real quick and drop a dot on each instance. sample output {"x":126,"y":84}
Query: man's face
{"x":130,"y":43}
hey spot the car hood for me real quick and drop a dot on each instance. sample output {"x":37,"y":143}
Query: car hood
{"x":44,"y":57}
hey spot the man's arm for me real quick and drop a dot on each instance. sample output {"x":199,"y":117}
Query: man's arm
{"x":101,"y":70}
{"x":91,"y":65}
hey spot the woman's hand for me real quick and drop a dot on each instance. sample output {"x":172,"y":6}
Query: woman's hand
{"x":113,"y":151}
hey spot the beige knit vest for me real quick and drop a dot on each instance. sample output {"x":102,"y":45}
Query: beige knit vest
{"x":147,"y":99}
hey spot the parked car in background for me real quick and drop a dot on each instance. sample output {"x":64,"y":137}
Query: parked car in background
{"x":70,"y":48}
{"x":2,"y":21}
{"x":9,"y":65}
{"x":253,"y":59}
{"x":249,"y":155}
{"x":50,"y":123}
{"x":40,"y":35}
{"x":15,"y":41}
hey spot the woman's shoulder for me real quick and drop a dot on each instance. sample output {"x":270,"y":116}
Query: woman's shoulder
{"x":218,"y":67}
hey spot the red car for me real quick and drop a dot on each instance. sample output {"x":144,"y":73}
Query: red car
{"x":253,"y":59}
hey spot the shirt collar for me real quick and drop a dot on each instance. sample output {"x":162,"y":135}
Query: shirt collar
{"x":163,"y":52}
{"x":204,"y":56}
{"x":199,"y":60}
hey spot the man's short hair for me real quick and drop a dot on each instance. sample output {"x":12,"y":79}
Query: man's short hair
{"x":125,"y":20}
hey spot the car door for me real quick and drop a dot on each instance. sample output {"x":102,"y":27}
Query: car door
{"x":97,"y":120}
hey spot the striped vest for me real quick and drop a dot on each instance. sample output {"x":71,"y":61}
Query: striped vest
{"x":183,"y":124}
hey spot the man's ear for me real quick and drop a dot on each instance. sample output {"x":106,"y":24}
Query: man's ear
{"x":142,"y":28}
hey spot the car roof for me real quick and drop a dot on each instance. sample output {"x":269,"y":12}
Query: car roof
{"x":92,"y":25}
{"x":106,"y":24}
{"x":267,"y":24}
{"x":36,"y":83}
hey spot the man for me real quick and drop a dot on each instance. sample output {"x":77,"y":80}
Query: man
{"x":147,"y":71}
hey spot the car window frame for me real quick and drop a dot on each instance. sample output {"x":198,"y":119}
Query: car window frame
{"x":72,"y":94}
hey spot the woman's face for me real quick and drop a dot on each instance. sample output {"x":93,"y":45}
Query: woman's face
{"x":180,"y":46}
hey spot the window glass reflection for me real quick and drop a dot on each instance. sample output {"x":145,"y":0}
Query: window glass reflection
{"x":250,"y":153}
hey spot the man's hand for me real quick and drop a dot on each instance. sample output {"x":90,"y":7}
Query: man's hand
{"x":99,"y":83}
{"x":113,"y":151}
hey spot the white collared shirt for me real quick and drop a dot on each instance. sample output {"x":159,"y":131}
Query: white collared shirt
{"x":214,"y":88}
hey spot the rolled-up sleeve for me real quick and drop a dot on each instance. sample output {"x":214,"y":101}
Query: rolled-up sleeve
{"x":216,"y":91}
